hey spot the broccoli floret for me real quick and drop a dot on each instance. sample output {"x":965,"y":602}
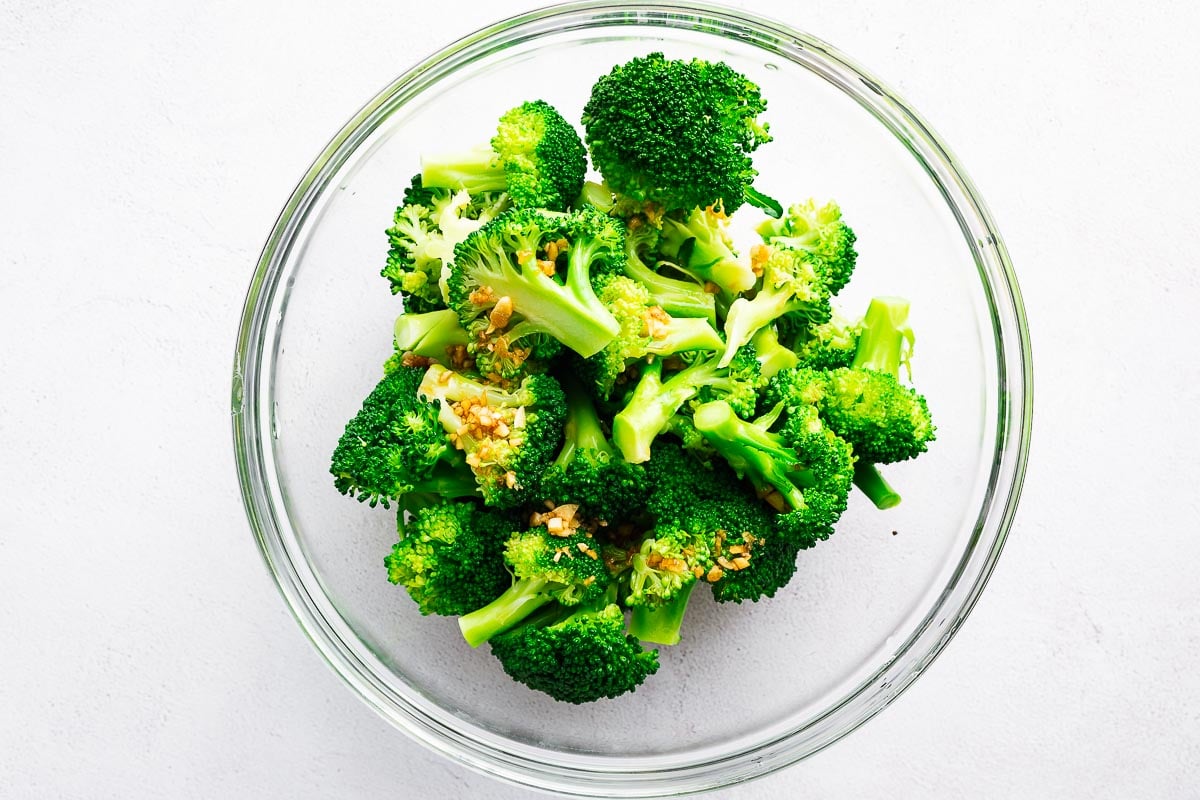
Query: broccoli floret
{"x":509,"y":437}
{"x":646,"y":330}
{"x":545,"y":567}
{"x":576,"y":655}
{"x":661,"y":576}
{"x":865,"y":403}
{"x":804,"y":471}
{"x":699,"y":242}
{"x":828,"y":345}
{"x":451,"y":559}
{"x":684,"y":298}
{"x":394,"y":444}
{"x":676,"y":133}
{"x":535,"y":156}
{"x":821,"y":233}
{"x":435,"y":335}
{"x":589,"y":471}
{"x":654,"y":401}
{"x":424,"y":232}
{"x":792,"y":283}
{"x":531,"y":272}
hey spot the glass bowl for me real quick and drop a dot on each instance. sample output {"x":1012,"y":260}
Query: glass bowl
{"x":752,"y":688}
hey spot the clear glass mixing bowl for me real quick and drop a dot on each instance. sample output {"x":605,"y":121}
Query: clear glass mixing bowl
{"x":754,"y":687}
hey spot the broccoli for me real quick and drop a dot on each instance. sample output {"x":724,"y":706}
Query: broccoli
{"x":394,"y":444}
{"x":435,"y":335}
{"x":684,"y":298}
{"x":589,"y":471}
{"x":772,"y":356}
{"x":829,"y":345}
{"x":676,"y":134}
{"x":509,"y":437}
{"x":646,"y":330}
{"x":546,"y":566}
{"x":576,"y":655}
{"x":451,"y":558}
{"x":792,"y":283}
{"x":535,"y":156}
{"x":424,"y":232}
{"x":865,"y":403}
{"x":654,"y":401}
{"x":804,"y":471}
{"x":662,"y":573}
{"x":510,"y":271}
{"x":821,"y":233}
{"x":700,"y":244}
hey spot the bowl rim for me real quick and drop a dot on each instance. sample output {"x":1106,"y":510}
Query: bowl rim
{"x":571,"y":773}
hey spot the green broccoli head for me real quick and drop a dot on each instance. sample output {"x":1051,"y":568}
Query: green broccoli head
{"x":677,"y":134}
{"x":793,"y":283}
{"x":576,"y":656}
{"x":393,"y":444}
{"x":665,"y":564}
{"x":508,"y":436}
{"x":884,"y":420}
{"x":451,"y":559}
{"x":827,"y":345}
{"x":820,"y":232}
{"x":646,"y":330}
{"x":553,"y":562}
{"x":536,"y":157}
{"x":531,"y":271}
{"x":424,"y":232}
{"x":589,"y":472}
{"x":544,"y":161}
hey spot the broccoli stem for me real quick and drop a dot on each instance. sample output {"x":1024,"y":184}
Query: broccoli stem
{"x":661,"y":624}
{"x":753,"y":452}
{"x":430,"y":335}
{"x":773,"y":357}
{"x":476,"y":170}
{"x":869,"y":480}
{"x":687,"y":333}
{"x":678,"y":298}
{"x":522,"y":599}
{"x":652,"y":405}
{"x":884,"y":334}
{"x":582,"y":430}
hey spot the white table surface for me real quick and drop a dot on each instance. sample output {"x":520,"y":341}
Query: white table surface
{"x":145,"y":150}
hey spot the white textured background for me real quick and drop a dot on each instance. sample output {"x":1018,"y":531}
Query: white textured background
{"x":144,"y":154}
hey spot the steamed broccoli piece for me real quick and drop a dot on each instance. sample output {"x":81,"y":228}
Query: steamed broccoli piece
{"x":451,"y":559}
{"x":654,"y":401}
{"x":804,"y":470}
{"x":676,"y":134}
{"x":700,"y":243}
{"x":589,"y":471}
{"x":576,"y":655}
{"x":662,"y":574}
{"x":821,"y":233}
{"x":545,"y":568}
{"x":829,"y":345}
{"x":865,"y":403}
{"x":792,"y":283}
{"x":394,"y":444}
{"x":531,"y":272}
{"x":773,"y":357}
{"x":509,"y":438}
{"x":684,"y":298}
{"x":535,"y":156}
{"x":424,"y":232}
{"x":646,"y":331}
{"x":433,"y":334}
